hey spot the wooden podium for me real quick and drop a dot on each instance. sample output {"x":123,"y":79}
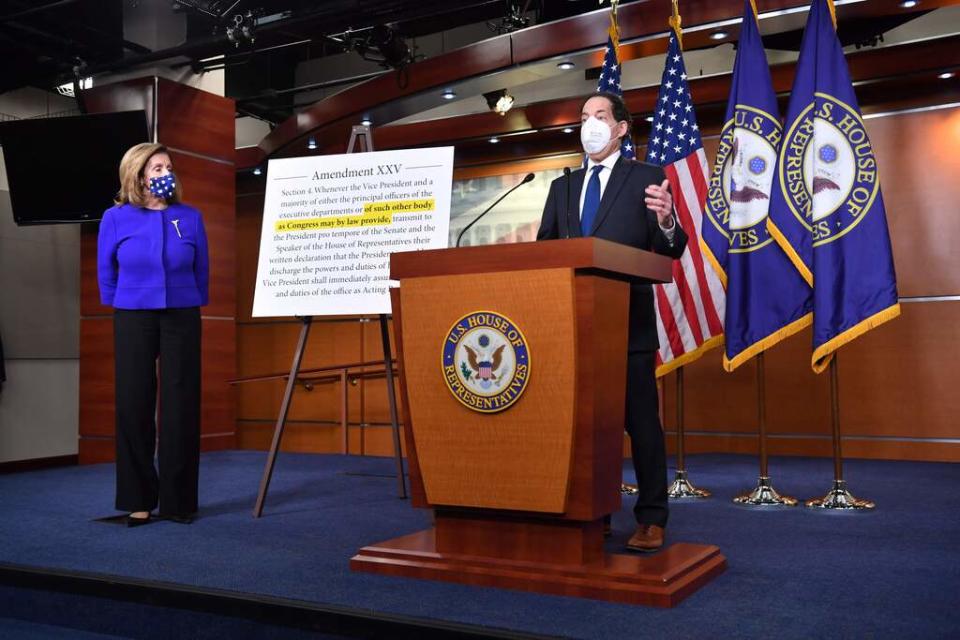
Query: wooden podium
{"x":519,"y":493}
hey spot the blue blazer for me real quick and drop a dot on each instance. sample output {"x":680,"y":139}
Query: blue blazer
{"x":623,"y":217}
{"x":149,"y":259}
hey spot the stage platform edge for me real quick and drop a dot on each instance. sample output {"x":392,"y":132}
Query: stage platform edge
{"x":661,"y":579}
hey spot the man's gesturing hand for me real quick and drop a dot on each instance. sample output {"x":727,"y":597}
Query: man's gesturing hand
{"x":658,"y":200}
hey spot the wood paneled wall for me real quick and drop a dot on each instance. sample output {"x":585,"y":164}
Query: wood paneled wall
{"x":198,"y":128}
{"x":894,"y":382}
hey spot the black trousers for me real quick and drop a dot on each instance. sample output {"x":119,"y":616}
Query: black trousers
{"x":646,"y":439}
{"x":142,"y":338}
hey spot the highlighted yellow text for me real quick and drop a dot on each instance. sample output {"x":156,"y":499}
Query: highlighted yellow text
{"x":338,"y":222}
{"x":399,"y":206}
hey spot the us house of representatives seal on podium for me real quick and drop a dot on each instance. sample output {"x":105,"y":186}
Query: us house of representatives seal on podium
{"x":485,"y":361}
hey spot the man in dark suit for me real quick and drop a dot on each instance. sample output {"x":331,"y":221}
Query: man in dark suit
{"x":627,"y":202}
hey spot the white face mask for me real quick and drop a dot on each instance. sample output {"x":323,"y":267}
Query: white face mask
{"x":594,"y":135}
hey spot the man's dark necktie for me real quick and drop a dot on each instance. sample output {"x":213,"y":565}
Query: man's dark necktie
{"x":591,"y":201}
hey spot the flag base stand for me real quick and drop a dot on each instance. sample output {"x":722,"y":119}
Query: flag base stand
{"x":629,"y":489}
{"x":839,"y":498}
{"x":764,"y":495}
{"x":681,"y":487}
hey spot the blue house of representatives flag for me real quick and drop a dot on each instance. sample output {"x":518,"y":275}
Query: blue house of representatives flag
{"x":827,"y":210}
{"x":767,"y":299}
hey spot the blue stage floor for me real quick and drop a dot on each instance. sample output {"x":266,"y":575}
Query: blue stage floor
{"x":792,"y":573}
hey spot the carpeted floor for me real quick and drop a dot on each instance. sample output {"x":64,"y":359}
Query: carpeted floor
{"x":793,"y":573}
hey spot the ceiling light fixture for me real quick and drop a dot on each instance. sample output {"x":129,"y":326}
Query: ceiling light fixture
{"x":568,"y":129}
{"x":909,"y":4}
{"x":312,"y":143}
{"x":448,"y":94}
{"x":566,"y":65}
{"x":494,"y":140}
{"x":719,"y":35}
{"x":500,"y":101}
{"x":257,"y":171}
{"x":366,"y":121}
{"x":946,"y":75}
{"x":384,"y":45}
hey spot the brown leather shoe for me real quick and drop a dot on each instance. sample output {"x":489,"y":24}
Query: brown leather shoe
{"x":648,"y":537}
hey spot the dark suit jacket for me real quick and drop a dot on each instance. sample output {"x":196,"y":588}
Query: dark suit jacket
{"x":623,"y":217}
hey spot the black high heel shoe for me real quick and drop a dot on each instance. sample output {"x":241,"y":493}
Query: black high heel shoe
{"x":137,"y":522}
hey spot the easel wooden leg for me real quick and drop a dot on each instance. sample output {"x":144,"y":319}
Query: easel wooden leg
{"x":344,"y":412}
{"x":392,"y":397}
{"x":282,"y":418}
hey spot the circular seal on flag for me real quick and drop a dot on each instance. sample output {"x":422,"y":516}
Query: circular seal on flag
{"x":828,"y":171}
{"x":485,"y":361}
{"x":739,"y":191}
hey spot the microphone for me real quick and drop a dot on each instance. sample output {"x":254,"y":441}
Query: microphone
{"x":566,"y":213}
{"x":527,"y":178}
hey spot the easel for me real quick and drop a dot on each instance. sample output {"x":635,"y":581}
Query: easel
{"x":362,"y":136}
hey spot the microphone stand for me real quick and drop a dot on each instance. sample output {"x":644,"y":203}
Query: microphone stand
{"x":527,"y":178}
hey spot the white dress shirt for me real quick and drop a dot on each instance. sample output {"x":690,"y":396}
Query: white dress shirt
{"x":607,"y":164}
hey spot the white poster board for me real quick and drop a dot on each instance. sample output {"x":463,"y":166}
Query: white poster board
{"x":330,"y":224}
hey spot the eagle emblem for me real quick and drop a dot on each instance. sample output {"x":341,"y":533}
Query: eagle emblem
{"x":485,"y":368}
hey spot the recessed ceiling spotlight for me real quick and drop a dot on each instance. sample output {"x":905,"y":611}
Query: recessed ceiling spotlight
{"x":494,"y":140}
{"x":257,"y":171}
{"x":366,"y":121}
{"x":312,"y":143}
{"x":566,"y":65}
{"x":719,"y":35}
{"x":448,"y":94}
{"x":568,"y":129}
{"x":946,"y":75}
{"x":909,"y":4}
{"x":649,"y":118}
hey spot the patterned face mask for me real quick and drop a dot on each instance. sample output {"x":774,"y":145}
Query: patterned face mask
{"x":163,"y":186}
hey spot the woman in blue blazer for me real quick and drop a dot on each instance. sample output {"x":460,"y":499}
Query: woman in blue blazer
{"x":153,"y":268}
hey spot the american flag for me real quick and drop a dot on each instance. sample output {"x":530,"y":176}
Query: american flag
{"x":609,"y":80}
{"x":690,"y":309}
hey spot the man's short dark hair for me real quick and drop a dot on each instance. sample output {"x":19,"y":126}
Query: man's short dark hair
{"x":617,"y":107}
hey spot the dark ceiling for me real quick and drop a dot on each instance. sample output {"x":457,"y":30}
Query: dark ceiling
{"x":53,"y":41}
{"x":42,"y":41}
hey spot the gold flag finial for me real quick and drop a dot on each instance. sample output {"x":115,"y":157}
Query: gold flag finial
{"x":674,"y":21}
{"x":614,"y":30}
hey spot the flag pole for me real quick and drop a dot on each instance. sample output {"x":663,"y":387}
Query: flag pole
{"x":838,"y":497}
{"x":681,"y":487}
{"x":764,"y":494}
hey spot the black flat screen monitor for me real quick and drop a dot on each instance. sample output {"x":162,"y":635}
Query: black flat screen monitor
{"x":67,"y":169}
